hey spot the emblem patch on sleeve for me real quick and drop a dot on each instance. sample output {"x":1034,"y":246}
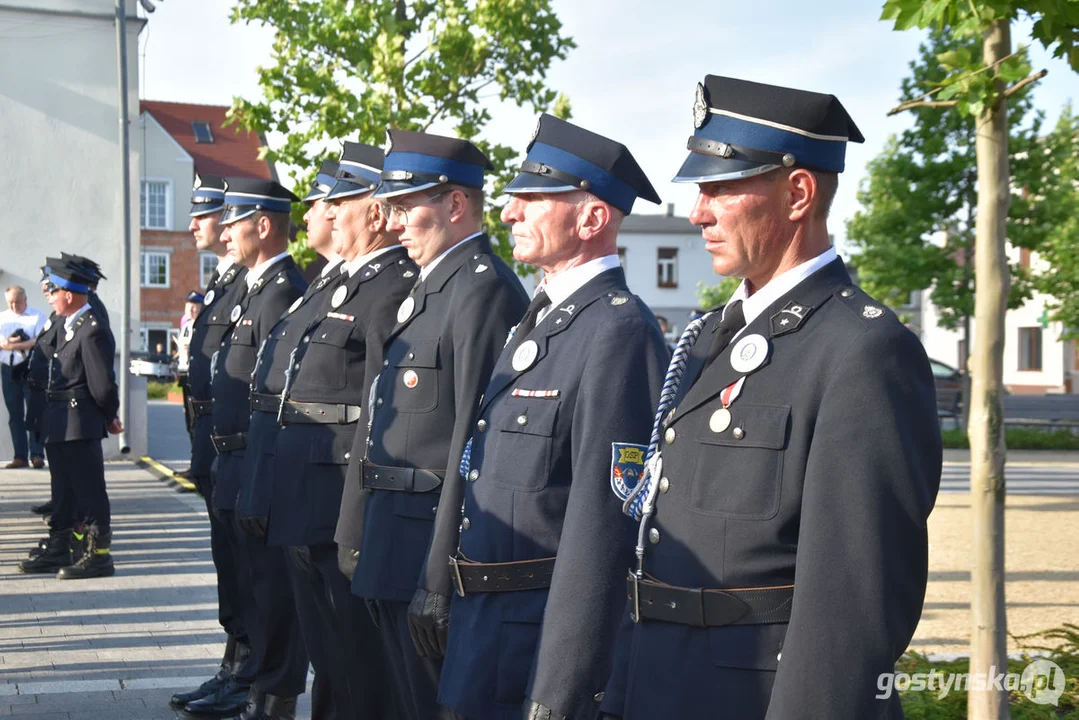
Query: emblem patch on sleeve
{"x":627,"y":462}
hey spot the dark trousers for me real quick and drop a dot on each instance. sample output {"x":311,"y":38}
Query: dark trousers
{"x":414,"y":678}
{"x":80,"y":467}
{"x":274,"y":630}
{"x":235,"y":603}
{"x":64,"y":513}
{"x":16,"y":395}
{"x":341,"y":638}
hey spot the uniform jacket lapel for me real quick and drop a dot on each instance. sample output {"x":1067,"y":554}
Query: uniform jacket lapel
{"x":555,"y":322}
{"x":805,"y":297}
{"x":372,"y":270}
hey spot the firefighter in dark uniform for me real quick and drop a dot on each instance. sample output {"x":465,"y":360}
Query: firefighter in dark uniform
{"x":320,"y":416}
{"x":448,"y":333}
{"x":256,"y":220}
{"x":38,"y":377}
{"x":560,"y":438}
{"x":796,"y":454}
{"x":234,"y":600}
{"x":268,"y":382}
{"x":82,"y":402}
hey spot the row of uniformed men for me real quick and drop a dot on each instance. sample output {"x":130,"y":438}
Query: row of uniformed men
{"x":73,"y":405}
{"x":410,"y":429}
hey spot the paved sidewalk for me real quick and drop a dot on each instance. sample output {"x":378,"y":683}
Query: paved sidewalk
{"x":110,"y":648}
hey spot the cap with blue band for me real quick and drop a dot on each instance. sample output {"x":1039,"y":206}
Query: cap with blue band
{"x":744,"y":128}
{"x":417,"y":161}
{"x":207,"y":195}
{"x":246,"y":196}
{"x":324,"y":181}
{"x":359,"y":171}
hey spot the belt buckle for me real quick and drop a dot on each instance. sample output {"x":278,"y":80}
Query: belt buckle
{"x":458,"y":582}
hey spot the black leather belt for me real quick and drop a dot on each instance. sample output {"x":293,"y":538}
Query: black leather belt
{"x":73,"y":394}
{"x":413,"y":480}
{"x":228,"y":443}
{"x":306,"y":412}
{"x":471,"y":577}
{"x":200,"y":408}
{"x":650,"y":599}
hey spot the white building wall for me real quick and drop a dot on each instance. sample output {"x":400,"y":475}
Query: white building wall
{"x":61,"y":178}
{"x":164,"y":160}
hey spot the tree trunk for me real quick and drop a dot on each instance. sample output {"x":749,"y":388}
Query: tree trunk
{"x":986,"y":429}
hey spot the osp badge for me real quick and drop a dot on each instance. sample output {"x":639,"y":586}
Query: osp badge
{"x":627,"y":462}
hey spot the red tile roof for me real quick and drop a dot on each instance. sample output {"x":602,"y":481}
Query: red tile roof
{"x":231,"y":153}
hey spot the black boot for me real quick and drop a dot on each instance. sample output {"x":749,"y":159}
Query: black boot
{"x":44,"y":508}
{"x":42,"y":545}
{"x":211,"y":686}
{"x":96,"y":560}
{"x":56,"y":555}
{"x":232,"y":699}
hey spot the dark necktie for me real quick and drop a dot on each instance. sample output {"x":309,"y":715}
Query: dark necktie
{"x":733,"y":321}
{"x":528,"y":322}
{"x":213,"y":281}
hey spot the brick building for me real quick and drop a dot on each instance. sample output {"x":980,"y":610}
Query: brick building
{"x":176,"y":140}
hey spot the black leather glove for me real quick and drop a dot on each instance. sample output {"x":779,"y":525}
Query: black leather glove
{"x":429,"y":622}
{"x":253,"y":526}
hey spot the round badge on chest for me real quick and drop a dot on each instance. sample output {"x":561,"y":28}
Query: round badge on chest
{"x":208,"y":300}
{"x":48,"y":324}
{"x":749,"y":353}
{"x":339,"y":296}
{"x":295,"y":304}
{"x":720,"y":420}
{"x":411,"y":379}
{"x":69,"y":334}
{"x":405,"y":311}
{"x":525,"y":355}
{"x":235,"y":314}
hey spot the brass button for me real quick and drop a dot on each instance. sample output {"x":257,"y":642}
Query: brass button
{"x":669,"y":436}
{"x":522,"y":419}
{"x":846,"y":292}
{"x":738,"y":433}
{"x":378,"y":402}
{"x":473,"y":475}
{"x":466,"y":523}
{"x":348,"y":455}
{"x":385,"y":363}
{"x":434,"y":510}
{"x":482,"y":425}
{"x":653,"y":536}
{"x":664,"y":485}
{"x":306,"y":338}
{"x":598,"y":697}
{"x":779,"y":656}
{"x":412,"y":356}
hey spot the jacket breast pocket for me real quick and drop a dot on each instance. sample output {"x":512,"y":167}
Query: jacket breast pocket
{"x":739,"y":471}
{"x":416,"y":379}
{"x":520,"y":445}
{"x":327,"y":357}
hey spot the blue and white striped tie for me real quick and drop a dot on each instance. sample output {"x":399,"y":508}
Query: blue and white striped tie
{"x":644,"y":494}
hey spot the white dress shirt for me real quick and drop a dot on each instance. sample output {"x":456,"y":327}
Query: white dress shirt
{"x":30,"y":321}
{"x":779,"y":286}
{"x":352,"y":266}
{"x":256,"y":272}
{"x":426,"y":270}
{"x":561,"y":285}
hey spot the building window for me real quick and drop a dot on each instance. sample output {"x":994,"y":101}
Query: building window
{"x":667,"y":267}
{"x":207,"y":265}
{"x":622,"y":258}
{"x":1030,"y":348}
{"x":154,"y":205}
{"x":154,"y":269}
{"x":203,"y":133}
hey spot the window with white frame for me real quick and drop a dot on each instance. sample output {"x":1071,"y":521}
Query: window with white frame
{"x":667,"y":267}
{"x":154,"y":269}
{"x":207,"y":264}
{"x":154,"y":205}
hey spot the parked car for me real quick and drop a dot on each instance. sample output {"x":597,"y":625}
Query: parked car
{"x":949,"y":382}
{"x":151,"y":366}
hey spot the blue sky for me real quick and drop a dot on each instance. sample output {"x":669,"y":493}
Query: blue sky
{"x":633,"y":74}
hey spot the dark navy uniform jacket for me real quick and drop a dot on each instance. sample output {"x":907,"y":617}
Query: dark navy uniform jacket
{"x":259,"y":472}
{"x":259,"y":310}
{"x":827,"y":485}
{"x":540,"y":486}
{"x":346,"y":344}
{"x":209,"y":331}
{"x":37,"y":372}
{"x":82,"y":363}
{"x":447,"y":346}
{"x":98,"y":307}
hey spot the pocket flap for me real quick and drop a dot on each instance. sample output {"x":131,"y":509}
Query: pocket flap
{"x":531,"y":418}
{"x":749,"y":647}
{"x":422,"y":356}
{"x":762,"y":426}
{"x":335,"y":334}
{"x":243,"y":335}
{"x":418,"y":506}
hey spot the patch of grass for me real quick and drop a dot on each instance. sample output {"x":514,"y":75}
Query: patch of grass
{"x":930,"y":705}
{"x":160,"y":391}
{"x":1019,"y":438}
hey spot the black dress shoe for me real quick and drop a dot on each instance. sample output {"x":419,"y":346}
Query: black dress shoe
{"x":229,"y":700}
{"x":56,"y":555}
{"x":180,"y":700}
{"x":44,"y":508}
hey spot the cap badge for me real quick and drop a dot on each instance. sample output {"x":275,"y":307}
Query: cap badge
{"x":198,"y":182}
{"x":700,"y":107}
{"x":389,"y":143}
{"x":535,"y":134}
{"x":525,"y":355}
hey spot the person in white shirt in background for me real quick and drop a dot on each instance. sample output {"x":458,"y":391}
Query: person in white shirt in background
{"x":19,"y":327}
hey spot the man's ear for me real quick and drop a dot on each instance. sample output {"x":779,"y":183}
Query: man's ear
{"x":459,"y":209}
{"x":592,"y":219}
{"x":377,"y":217}
{"x":801,"y":193}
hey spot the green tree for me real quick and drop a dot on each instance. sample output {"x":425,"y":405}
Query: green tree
{"x":348,"y":70}
{"x":712,"y":295}
{"x":980,"y":87}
